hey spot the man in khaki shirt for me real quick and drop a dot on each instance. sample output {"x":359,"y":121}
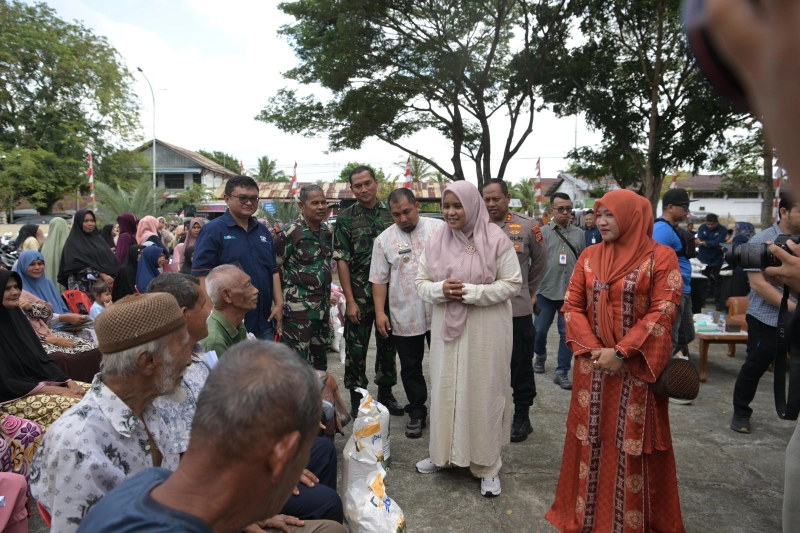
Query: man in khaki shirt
{"x":528,"y":242}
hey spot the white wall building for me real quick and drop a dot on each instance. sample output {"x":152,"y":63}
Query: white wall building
{"x":704,"y":190}
{"x":178,"y":168}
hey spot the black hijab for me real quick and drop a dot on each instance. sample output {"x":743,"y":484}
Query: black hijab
{"x":85,"y":250}
{"x":125,"y":282}
{"x":26,"y":231}
{"x":186,"y":266}
{"x":108,"y":236}
{"x":23,"y":362}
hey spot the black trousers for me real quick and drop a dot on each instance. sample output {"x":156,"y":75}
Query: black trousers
{"x":762,"y":344}
{"x":320,"y":502}
{"x":411,"y":351}
{"x":714,"y":282}
{"x":522,"y":380}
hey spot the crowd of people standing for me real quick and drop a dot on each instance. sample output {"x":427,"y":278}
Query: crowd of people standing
{"x":617,"y":289}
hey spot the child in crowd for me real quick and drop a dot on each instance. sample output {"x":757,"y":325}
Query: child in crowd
{"x":101,"y":294}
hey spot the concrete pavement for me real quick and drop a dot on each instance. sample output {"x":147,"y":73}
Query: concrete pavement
{"x":728,"y":482}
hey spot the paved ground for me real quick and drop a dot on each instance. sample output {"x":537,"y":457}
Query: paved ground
{"x":729,"y":483}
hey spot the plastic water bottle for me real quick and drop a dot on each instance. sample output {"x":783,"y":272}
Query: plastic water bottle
{"x":710,"y":318}
{"x":721,"y":324}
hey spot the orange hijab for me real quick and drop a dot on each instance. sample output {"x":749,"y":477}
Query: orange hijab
{"x":614,"y":260}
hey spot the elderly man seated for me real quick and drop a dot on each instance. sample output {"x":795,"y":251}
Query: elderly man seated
{"x":246,"y":453}
{"x":178,"y":416}
{"x":233,"y":295}
{"x":315,"y":497}
{"x":115,"y":432}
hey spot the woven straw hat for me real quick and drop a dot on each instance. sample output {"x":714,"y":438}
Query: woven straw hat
{"x":136,"y":320}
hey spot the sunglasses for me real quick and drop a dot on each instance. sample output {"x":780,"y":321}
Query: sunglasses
{"x":563,"y":209}
{"x":246,"y":199}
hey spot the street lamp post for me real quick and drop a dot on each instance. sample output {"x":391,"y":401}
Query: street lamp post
{"x":155,"y":183}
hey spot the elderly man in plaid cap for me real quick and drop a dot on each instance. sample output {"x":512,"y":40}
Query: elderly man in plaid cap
{"x":115,"y":432}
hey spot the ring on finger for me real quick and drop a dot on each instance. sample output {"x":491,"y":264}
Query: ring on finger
{"x":451,"y":291}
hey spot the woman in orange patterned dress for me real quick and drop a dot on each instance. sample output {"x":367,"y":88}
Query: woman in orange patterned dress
{"x":618,"y":470}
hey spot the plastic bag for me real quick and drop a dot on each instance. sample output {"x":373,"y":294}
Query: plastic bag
{"x":362,"y":452}
{"x":336,"y":325}
{"x":370,"y":407}
{"x":370,"y":510}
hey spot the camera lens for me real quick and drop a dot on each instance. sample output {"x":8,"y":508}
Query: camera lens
{"x":750,"y":256}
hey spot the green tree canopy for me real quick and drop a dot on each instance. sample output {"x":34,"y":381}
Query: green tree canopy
{"x":267,"y":171}
{"x":745,"y":162}
{"x":632,"y":77}
{"x":396,"y":68}
{"x":64,"y":91}
{"x":122,"y":168}
{"x":113,"y":201}
{"x":420,"y":169}
{"x":229,"y":161}
{"x":344,"y":175}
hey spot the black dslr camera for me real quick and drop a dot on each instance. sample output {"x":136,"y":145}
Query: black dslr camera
{"x":758,"y":255}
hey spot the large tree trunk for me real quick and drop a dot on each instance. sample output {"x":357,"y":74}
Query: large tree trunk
{"x":767,"y":182}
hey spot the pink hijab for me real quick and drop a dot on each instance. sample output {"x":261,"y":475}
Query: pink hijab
{"x":148,"y":227}
{"x":447,"y":255}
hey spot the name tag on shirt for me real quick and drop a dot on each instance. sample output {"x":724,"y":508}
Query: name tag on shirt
{"x":562,"y":258}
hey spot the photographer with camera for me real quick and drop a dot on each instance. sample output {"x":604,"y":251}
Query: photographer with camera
{"x":761,"y":44}
{"x":762,"y":315}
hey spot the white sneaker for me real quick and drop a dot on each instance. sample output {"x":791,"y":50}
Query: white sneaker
{"x":426,"y":466}
{"x":490,"y":486}
{"x":680,"y":402}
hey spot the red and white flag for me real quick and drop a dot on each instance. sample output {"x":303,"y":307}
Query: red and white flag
{"x":90,"y":173}
{"x":293,"y":191}
{"x":407,"y":183}
{"x":537,"y":186}
{"x":674,"y":182}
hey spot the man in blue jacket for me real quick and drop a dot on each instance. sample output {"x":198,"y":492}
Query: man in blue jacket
{"x":710,"y":237}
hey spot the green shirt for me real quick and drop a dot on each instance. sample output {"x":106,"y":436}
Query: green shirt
{"x":305,"y":256}
{"x":222,"y":334}
{"x":356,"y":229}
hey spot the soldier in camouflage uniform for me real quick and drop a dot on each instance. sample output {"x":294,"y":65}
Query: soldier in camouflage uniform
{"x":356,"y":229}
{"x":304,"y":249}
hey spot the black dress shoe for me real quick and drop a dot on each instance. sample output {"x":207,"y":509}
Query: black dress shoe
{"x":388,"y":401}
{"x":520,"y":429}
{"x":414,"y":428}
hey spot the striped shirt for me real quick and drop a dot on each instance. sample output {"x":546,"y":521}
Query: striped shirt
{"x":759,"y":308}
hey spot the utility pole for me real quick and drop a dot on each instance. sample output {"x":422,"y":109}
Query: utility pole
{"x":155,"y":184}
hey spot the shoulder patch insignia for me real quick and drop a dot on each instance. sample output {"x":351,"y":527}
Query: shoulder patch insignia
{"x":515,"y":226}
{"x":537,"y":233}
{"x":509,"y":217}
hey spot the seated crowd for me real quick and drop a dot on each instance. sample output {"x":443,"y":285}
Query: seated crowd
{"x":112,"y":420}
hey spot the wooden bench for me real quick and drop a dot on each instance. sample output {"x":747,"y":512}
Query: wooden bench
{"x":706,"y":339}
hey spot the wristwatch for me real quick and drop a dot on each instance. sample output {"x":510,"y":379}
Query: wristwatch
{"x":619,"y":354}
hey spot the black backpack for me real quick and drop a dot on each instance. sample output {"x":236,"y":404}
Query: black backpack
{"x":689,"y":250}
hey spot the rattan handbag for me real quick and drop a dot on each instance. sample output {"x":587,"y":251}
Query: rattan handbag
{"x":679,"y":379}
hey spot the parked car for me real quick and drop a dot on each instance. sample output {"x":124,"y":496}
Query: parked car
{"x":41,"y":219}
